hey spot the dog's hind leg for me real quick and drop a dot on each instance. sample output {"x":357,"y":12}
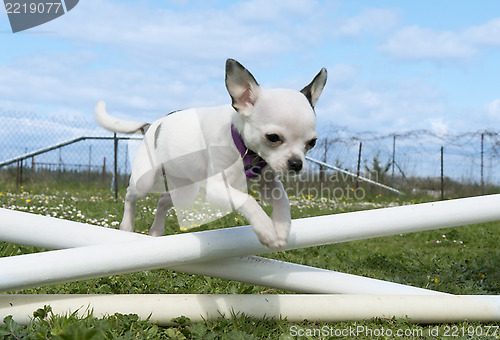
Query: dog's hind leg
{"x":131,"y":199}
{"x":136,"y":191}
{"x":164,"y":204}
{"x":183,"y":197}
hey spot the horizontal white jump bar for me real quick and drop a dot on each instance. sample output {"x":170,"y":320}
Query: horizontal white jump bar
{"x":109,"y":259}
{"x":296,"y":308}
{"x":54,"y":233}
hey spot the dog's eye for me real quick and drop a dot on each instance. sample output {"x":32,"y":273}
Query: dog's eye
{"x":273,"y":138}
{"x":311,"y":143}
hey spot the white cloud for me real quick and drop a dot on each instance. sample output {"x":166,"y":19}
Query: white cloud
{"x":439,"y":127}
{"x":147,"y":60}
{"x":383,"y":106}
{"x":487,"y":34}
{"x":253,"y":29}
{"x":153,"y":59}
{"x":415,"y":42}
{"x":369,"y":21}
{"x":493,"y":109}
{"x":270,"y":11}
{"x":342,"y":75}
{"x":135,"y":92}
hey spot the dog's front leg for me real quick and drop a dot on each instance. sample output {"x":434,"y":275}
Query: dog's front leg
{"x":272,"y":192}
{"x":261,"y":223}
{"x":234,"y":199}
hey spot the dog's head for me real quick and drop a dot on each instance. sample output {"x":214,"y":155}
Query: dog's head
{"x":276,"y":124}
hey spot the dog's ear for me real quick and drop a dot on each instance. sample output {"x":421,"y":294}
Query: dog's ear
{"x":242,"y":86}
{"x":314,"y":89}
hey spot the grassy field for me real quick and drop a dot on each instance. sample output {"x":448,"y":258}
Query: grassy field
{"x":462,"y":260}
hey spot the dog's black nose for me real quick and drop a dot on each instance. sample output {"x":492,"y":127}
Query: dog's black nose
{"x":295,"y":164}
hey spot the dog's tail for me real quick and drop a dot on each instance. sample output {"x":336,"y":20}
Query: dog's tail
{"x":117,"y":125}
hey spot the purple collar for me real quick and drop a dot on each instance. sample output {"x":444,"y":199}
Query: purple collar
{"x":249,"y":157}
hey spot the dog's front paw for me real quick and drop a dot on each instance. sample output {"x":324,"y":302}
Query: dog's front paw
{"x":282,"y":233}
{"x":264,"y":229}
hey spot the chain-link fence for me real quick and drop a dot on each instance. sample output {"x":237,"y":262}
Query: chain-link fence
{"x":468,"y":157}
{"x":416,"y":160}
{"x":78,"y":149}
{"x":54,"y":149}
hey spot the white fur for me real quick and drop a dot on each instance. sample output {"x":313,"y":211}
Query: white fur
{"x":257,"y":114}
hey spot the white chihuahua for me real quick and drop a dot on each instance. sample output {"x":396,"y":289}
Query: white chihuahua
{"x":263,"y":133}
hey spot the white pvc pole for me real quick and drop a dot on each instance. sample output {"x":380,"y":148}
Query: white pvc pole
{"x":53,"y":233}
{"x":162,"y":309}
{"x":102,"y":260}
{"x":299,"y":278}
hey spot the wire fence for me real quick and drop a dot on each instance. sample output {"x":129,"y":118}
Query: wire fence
{"x":84,"y":160}
{"x":471,"y":157}
{"x":416,"y":160}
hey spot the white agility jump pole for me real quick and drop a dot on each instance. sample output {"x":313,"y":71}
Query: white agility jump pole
{"x":109,"y":259}
{"x":54,"y":233}
{"x":163,"y":308}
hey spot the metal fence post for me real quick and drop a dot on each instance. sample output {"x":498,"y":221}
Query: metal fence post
{"x":115,"y":170}
{"x":393,"y":154}
{"x":104,"y":170}
{"x":90,"y":163}
{"x":19,"y":173}
{"x":482,"y":162}
{"x":359,"y":164}
{"x":442,"y":174}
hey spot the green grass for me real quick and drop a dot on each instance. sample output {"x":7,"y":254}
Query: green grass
{"x":460,"y":260}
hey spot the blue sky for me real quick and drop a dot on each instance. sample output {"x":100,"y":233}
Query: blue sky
{"x":393,"y":65}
